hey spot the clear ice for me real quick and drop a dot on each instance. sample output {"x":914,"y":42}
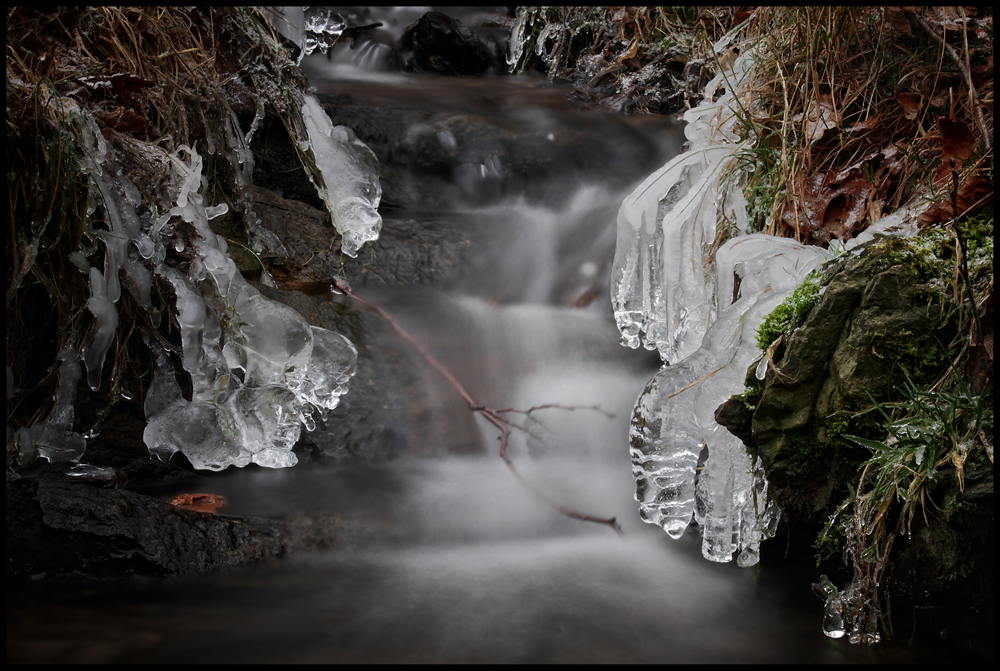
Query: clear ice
{"x":668,"y":295}
{"x":259,"y":372}
{"x":349,"y":172}
{"x":310,"y":28}
{"x":256,"y":373}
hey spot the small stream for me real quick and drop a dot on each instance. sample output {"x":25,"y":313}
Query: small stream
{"x":452,"y":559}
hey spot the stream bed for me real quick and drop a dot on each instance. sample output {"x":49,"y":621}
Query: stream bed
{"x":452,"y":558}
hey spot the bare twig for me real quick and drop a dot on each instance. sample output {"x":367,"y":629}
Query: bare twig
{"x":492,"y":415}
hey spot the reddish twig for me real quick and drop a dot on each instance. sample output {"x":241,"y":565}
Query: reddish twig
{"x":492,"y":415}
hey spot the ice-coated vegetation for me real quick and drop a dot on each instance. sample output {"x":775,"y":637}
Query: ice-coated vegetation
{"x":258,"y":371}
{"x":700,"y":306}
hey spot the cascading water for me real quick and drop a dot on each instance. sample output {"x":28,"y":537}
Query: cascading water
{"x":450,"y":558}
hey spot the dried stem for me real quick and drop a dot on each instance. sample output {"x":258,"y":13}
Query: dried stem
{"x":492,"y":415}
{"x":964,"y":265}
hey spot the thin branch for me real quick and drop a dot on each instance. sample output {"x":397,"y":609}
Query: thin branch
{"x":491,"y":415}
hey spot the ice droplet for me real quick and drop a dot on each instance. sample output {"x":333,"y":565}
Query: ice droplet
{"x":833,"y":623}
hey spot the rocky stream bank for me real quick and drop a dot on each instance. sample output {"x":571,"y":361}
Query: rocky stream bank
{"x":877,"y":316}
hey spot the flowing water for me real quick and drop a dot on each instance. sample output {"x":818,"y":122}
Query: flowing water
{"x":457,"y":560}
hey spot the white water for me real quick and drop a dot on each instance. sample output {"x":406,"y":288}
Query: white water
{"x":451,"y":559}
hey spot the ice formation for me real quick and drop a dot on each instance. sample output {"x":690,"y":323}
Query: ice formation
{"x":310,"y":28}
{"x":254,"y":369}
{"x":350,"y":177}
{"x":259,"y":372}
{"x":667,"y":295}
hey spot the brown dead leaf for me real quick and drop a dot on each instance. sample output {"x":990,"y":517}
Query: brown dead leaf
{"x":129,"y":83}
{"x":949,"y":18}
{"x":938,"y":99}
{"x":632,"y":50}
{"x":739,"y":16}
{"x":898,"y":19}
{"x":122,"y":119}
{"x":957,"y":142}
{"x":819,"y":118}
{"x":829,"y":209}
{"x":972,"y":192}
{"x":868,"y":124}
{"x":979,"y":365}
{"x":911,"y":103}
{"x":840,"y":203}
{"x":201,"y":503}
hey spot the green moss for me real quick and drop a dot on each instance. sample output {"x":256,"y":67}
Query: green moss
{"x":933,"y":254}
{"x":749,"y":398}
{"x":792,"y":311}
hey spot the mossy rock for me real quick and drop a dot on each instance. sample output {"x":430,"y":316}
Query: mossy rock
{"x":863,"y":332}
{"x":874,"y":330}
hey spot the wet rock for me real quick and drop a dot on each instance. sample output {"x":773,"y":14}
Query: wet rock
{"x":409,"y":251}
{"x":851,"y":343}
{"x":443,"y":45}
{"x":67,"y":529}
{"x":871,"y":322}
{"x":738,"y":419}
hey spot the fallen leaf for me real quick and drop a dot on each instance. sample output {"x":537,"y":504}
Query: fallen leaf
{"x":632,"y":50}
{"x":939,"y":98}
{"x":122,"y":119}
{"x":956,"y":142}
{"x":867,"y":124}
{"x":202,"y":503}
{"x":130,"y":83}
{"x":979,"y":365}
{"x":972,"y":192}
{"x":840,"y":203}
{"x":819,"y":118}
{"x":898,"y":18}
{"x":950,"y":18}
{"x":911,"y":103}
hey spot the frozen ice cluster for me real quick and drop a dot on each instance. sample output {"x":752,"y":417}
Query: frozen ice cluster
{"x":310,"y":28}
{"x":701,"y":315}
{"x":259,"y":372}
{"x":347,"y":170}
{"x":349,"y":176}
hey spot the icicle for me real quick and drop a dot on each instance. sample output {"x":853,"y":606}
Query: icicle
{"x":322,"y":30}
{"x":101,"y":306}
{"x":666,"y":296}
{"x":349,"y":171}
{"x":55,"y":440}
{"x":516,"y":47}
{"x":665,"y":444}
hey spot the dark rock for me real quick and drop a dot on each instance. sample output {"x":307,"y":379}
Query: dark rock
{"x":277,"y":166}
{"x":61,"y":528}
{"x":443,"y":45}
{"x":738,"y":419}
{"x":847,"y":346}
{"x":871,"y":323}
{"x":408,"y":251}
